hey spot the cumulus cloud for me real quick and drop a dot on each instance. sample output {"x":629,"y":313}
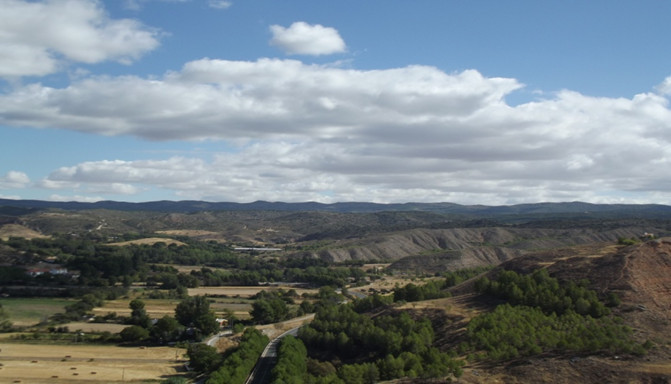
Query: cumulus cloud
{"x":38,"y":38}
{"x":13,"y":180}
{"x":301,"y":38}
{"x":308,"y":132}
{"x":665,"y":87}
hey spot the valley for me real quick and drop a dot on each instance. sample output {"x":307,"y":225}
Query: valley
{"x":113,"y":269}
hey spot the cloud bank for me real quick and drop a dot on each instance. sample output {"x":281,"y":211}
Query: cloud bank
{"x":309,"y":132}
{"x":39,"y":38}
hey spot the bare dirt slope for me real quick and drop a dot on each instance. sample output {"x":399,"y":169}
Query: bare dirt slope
{"x":433,"y":250}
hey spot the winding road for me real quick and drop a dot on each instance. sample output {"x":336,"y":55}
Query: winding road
{"x":263,"y":368}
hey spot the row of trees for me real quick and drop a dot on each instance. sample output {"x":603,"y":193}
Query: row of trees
{"x":316,"y":275}
{"x":237,"y":365}
{"x":291,"y":363}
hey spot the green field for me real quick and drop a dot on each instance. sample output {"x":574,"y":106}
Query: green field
{"x":30,"y":311}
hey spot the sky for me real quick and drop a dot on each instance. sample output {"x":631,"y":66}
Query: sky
{"x":472,"y":102}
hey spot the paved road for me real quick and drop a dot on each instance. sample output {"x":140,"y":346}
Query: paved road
{"x":212,"y":341}
{"x":262,"y":371}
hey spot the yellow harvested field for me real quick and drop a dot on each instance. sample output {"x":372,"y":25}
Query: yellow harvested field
{"x":188,"y":232}
{"x":95,"y":327}
{"x":154,"y":308}
{"x":150,"y":241}
{"x":243,"y":291}
{"x":16,"y":230}
{"x":87,"y":364}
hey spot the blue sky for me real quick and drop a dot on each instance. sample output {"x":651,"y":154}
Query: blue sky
{"x":473,"y":102}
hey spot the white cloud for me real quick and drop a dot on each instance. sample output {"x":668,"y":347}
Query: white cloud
{"x":220,"y":4}
{"x":38,"y":38}
{"x":665,"y":87}
{"x":14,"y":180}
{"x":308,"y":132}
{"x":304,"y":39}
{"x":80,"y":198}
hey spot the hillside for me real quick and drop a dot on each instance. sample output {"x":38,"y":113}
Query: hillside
{"x":420,"y":241}
{"x":428,"y":249}
{"x":639,"y":274}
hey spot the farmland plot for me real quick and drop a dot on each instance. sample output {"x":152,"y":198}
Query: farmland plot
{"x":87,"y":364}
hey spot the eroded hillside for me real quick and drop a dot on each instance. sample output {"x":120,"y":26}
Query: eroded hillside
{"x":640,"y":275}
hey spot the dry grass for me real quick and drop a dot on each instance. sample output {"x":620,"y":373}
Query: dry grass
{"x":154,"y":308}
{"x":87,"y":364}
{"x":276,"y":329}
{"x":16,"y":230}
{"x":96,"y":327}
{"x":188,"y":232}
{"x":149,"y":241}
{"x":245,"y":292}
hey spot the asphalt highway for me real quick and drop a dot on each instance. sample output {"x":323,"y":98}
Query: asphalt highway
{"x":263,"y":368}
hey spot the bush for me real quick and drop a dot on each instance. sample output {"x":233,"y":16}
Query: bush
{"x":203,"y":358}
{"x":134,"y":333}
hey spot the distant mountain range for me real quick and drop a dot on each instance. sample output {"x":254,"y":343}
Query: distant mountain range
{"x":8,"y":206}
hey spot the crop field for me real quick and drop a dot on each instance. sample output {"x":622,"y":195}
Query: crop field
{"x":149,"y":241}
{"x":245,"y":292}
{"x":95,"y":327}
{"x":156,"y":308}
{"x":30,"y":311}
{"x":27,"y":363}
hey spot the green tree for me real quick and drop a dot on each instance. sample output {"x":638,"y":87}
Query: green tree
{"x":195,"y":312}
{"x":269,"y":310}
{"x":203,"y":358}
{"x":138,"y":314}
{"x":166,"y":329}
{"x":134,"y":333}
